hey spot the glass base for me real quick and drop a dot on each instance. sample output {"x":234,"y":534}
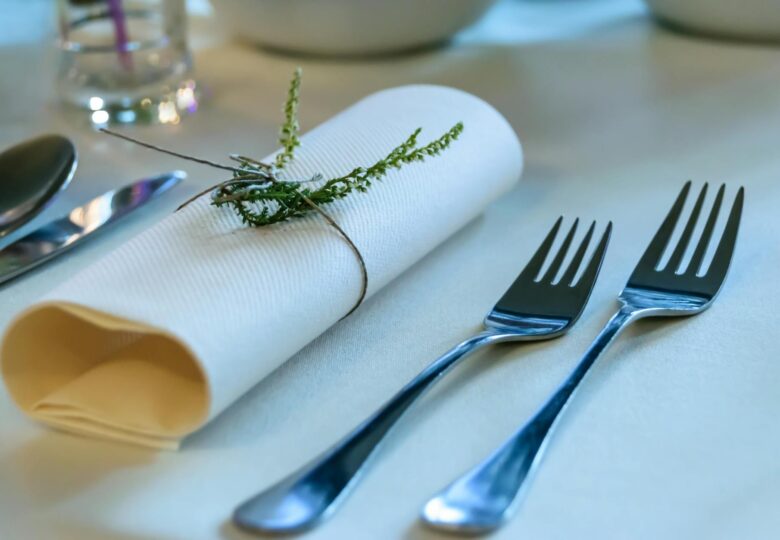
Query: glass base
{"x":168,"y":108}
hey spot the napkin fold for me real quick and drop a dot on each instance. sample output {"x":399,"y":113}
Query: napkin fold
{"x":164,"y":333}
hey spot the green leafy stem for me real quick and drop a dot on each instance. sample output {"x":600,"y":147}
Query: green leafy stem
{"x":262,"y":199}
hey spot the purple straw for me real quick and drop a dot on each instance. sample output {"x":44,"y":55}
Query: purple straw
{"x":117,"y":13}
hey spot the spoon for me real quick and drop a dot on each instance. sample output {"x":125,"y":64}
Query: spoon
{"x":32,"y":173}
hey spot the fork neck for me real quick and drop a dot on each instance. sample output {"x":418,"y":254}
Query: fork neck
{"x":616,"y":324}
{"x":452,"y":357}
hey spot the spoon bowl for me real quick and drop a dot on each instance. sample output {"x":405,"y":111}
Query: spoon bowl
{"x":32,"y":173}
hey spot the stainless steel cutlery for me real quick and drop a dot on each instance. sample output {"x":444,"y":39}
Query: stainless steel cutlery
{"x":486,"y":496}
{"x":534,"y":308}
{"x":82,"y":222}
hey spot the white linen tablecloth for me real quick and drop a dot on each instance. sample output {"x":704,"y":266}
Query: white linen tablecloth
{"x":675,"y":434}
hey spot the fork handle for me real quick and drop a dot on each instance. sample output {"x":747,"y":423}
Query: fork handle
{"x":484,"y":498}
{"x":300,"y":500}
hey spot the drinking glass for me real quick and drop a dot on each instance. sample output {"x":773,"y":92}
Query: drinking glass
{"x":126,"y":61}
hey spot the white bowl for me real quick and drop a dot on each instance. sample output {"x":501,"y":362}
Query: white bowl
{"x":741,"y":19}
{"x":348,"y":27}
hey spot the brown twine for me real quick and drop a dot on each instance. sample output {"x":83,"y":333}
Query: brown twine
{"x":253,"y":178}
{"x":172,"y":153}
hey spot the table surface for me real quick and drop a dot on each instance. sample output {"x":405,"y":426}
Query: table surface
{"x":674,"y":434}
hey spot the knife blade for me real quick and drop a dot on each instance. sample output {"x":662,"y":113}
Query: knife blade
{"x":82,"y":222}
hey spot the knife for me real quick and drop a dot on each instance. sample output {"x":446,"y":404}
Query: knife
{"x":82,"y":222}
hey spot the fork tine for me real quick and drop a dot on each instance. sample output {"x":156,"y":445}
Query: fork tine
{"x":698,"y":256}
{"x":592,"y":270}
{"x":574,"y":265}
{"x":552,"y":271}
{"x":685,"y":238}
{"x":535,"y":264}
{"x":722,"y":258}
{"x":658,"y":244}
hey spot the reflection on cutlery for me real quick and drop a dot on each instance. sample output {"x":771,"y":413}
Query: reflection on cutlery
{"x":32,"y":173}
{"x":62,"y":234}
{"x":485,"y":497}
{"x":530,"y":310}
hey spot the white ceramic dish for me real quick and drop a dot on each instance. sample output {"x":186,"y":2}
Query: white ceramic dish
{"x":738,"y":19}
{"x":348,"y":27}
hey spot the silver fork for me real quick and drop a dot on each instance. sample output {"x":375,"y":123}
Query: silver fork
{"x":485,"y":497}
{"x":530,"y":310}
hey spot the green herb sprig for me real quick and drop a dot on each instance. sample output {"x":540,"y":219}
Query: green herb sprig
{"x":260,"y":198}
{"x":278,"y":201}
{"x":288,"y":133}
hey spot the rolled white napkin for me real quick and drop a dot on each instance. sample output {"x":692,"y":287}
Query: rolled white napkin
{"x":168,"y":330}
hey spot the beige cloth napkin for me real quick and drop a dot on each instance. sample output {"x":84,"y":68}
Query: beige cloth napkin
{"x":168,"y":330}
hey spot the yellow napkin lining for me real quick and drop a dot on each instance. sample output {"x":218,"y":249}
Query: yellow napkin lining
{"x":85,"y":370}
